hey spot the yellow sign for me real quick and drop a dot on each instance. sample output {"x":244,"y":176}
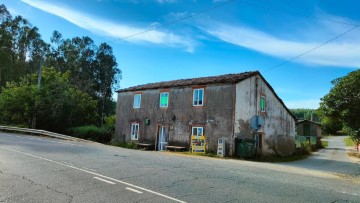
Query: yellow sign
{"x":198,"y":144}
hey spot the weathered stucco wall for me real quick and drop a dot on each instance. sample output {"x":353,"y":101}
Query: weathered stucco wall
{"x":279,"y":129}
{"x":215,"y":116}
{"x":315,"y":129}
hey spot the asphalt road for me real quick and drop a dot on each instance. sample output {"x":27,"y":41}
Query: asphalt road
{"x":34,"y":169}
{"x":333,"y":159}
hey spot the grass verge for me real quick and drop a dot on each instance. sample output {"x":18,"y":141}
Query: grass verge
{"x":279,"y":158}
{"x":324,"y":143}
{"x":354,"y":154}
{"x":349,"y":142}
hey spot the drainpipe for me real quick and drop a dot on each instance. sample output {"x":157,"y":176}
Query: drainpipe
{"x":257,"y":113}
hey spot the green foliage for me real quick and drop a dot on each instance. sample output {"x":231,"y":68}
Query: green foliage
{"x":324,"y":143}
{"x":306,"y":114}
{"x":331,"y":126}
{"x":93,"y":68}
{"x":93,"y":133}
{"x":342,"y":103}
{"x":349,"y":142}
{"x":17,"y":104}
{"x":21,"y":47}
{"x":305,"y":149}
{"x":57,"y":105}
{"x":110,"y":121}
{"x":128,"y":145}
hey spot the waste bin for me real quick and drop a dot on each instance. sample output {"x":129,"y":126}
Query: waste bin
{"x":244,"y":147}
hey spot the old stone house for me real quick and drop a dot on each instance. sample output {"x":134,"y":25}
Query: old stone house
{"x":169,"y":113}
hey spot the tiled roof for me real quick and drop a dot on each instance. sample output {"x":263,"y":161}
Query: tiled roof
{"x":221,"y":79}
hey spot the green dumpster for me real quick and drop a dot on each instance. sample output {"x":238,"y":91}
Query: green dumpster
{"x":244,"y":147}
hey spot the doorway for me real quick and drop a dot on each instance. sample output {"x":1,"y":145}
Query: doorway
{"x":163,"y":138}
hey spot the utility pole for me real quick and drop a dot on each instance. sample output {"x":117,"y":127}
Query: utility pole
{"x":33,"y":124}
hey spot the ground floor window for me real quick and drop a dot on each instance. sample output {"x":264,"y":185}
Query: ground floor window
{"x":134,"y":131}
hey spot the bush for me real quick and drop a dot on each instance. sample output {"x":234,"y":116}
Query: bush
{"x":93,"y":133}
{"x":129,"y":145}
{"x":110,"y":122}
{"x":305,"y":149}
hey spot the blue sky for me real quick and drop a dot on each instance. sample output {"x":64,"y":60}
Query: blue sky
{"x":243,"y":35}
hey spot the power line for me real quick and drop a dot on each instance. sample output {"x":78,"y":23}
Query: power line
{"x":302,"y":54}
{"x":293,"y":13}
{"x":176,"y":21}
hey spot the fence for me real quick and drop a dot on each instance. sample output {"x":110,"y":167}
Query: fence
{"x":304,"y":139}
{"x":39,"y":132}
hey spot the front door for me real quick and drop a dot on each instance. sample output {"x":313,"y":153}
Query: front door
{"x":163,"y":138}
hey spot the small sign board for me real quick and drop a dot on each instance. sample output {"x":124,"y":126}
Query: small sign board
{"x":256,"y":122}
{"x":198,"y":144}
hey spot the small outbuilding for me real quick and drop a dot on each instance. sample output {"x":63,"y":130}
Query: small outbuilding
{"x":308,"y":131}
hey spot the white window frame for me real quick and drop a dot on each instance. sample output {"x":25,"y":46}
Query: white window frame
{"x":167,"y":104}
{"x":263,"y":110}
{"x":202,"y":98}
{"x":134,"y":134}
{"x":137,"y":105}
{"x":197,"y":127}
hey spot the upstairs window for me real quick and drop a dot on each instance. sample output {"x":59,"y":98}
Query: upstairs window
{"x":134,"y":131}
{"x":137,"y":101}
{"x":198,"y":97}
{"x":262,"y":104}
{"x":164,"y":99}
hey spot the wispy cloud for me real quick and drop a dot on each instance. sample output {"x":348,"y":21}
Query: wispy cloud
{"x":343,"y":52}
{"x":165,"y":1}
{"x":112,"y":29}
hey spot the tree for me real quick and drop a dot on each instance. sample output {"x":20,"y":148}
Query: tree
{"x":93,"y":69}
{"x":308,"y":114}
{"x":342,"y":103}
{"x":107,"y":76}
{"x":21,"y":47}
{"x":60,"y":105}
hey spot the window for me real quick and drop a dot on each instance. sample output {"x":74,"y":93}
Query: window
{"x":137,"y":101}
{"x":134,"y":131}
{"x":197,"y":131}
{"x":164,"y":99}
{"x":262,"y":104}
{"x":198,"y":97}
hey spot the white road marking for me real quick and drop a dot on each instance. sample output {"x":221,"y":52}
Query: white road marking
{"x":96,"y":174}
{"x":106,"y":181}
{"x":131,"y":189}
{"x":88,"y":169}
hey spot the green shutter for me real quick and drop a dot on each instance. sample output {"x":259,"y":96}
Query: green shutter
{"x":262,"y":104}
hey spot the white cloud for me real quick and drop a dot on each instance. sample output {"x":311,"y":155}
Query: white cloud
{"x":307,"y":104}
{"x":343,"y":52}
{"x":115,"y":30}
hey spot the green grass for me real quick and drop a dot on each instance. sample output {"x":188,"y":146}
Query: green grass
{"x":349,"y":142}
{"x":128,"y":145}
{"x":324,"y":143}
{"x":196,"y":154}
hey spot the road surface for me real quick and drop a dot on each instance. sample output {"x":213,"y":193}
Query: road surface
{"x":333,"y":159}
{"x":34,"y":169}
